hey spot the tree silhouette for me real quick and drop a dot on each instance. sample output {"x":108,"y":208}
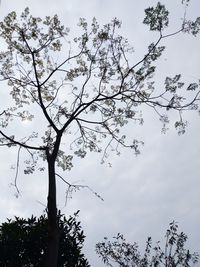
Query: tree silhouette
{"x":80,"y":94}
{"x":124,"y":254}
{"x":23,"y":242}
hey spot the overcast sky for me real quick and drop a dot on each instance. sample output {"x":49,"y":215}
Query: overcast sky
{"x":142,"y":194}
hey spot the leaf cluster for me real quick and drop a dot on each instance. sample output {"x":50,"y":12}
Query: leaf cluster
{"x":23,"y":242}
{"x":125,"y":254}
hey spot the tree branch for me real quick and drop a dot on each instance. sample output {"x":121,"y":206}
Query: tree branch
{"x":14,"y":142}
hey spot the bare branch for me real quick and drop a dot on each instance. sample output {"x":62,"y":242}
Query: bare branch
{"x":78,"y":186}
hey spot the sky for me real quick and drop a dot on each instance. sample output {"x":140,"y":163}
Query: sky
{"x":142,"y":194}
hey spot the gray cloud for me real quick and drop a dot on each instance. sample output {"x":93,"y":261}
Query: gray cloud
{"x":142,"y":194}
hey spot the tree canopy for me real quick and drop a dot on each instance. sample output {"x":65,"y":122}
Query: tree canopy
{"x":169,"y":253}
{"x":24,"y":241}
{"x":87,"y":85}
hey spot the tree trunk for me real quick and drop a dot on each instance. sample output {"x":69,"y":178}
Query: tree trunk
{"x":53,"y":227}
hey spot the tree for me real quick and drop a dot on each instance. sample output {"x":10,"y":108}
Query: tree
{"x":80,"y":94}
{"x":23,"y":242}
{"x":124,"y":254}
